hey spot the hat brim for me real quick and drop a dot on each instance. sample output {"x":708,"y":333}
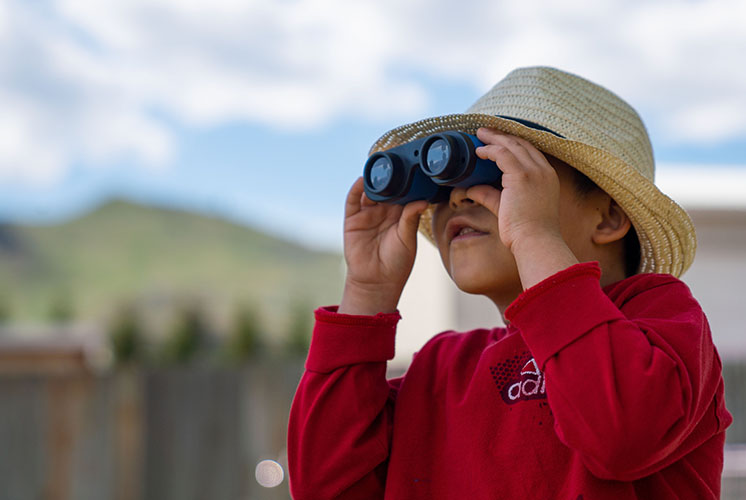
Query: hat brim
{"x":666,"y":232}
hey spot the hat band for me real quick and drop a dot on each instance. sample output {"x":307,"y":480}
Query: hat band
{"x":531,"y":124}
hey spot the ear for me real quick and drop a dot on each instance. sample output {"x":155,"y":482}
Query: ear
{"x":614,"y":223}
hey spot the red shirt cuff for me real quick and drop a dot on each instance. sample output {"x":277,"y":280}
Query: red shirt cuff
{"x":343,"y":339}
{"x":557,"y":311}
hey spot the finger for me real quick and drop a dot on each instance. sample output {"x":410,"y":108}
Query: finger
{"x":513,"y":144}
{"x":367,"y":202}
{"x":504,"y":158}
{"x":500,"y":145}
{"x":485,"y":195}
{"x":521,"y":148}
{"x":487,"y":135}
{"x":537,"y":155}
{"x":409,"y":222}
{"x":354,"y":197}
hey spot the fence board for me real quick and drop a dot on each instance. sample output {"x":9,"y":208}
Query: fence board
{"x":193,"y":450}
{"x":23,"y":444}
{"x":734,"y":375}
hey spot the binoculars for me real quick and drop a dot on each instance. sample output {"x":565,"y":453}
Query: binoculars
{"x":427,"y":169}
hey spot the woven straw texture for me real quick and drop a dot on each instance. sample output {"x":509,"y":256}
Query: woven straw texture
{"x":603,"y":137}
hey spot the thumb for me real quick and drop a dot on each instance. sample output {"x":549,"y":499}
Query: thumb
{"x":409,"y":222}
{"x":485,"y":195}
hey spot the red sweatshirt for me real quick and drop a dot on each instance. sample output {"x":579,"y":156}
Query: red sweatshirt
{"x":589,"y":393}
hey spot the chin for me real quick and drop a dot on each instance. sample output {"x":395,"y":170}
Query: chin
{"x":479,"y":282}
{"x":482,"y":267}
{"x":493,"y":278}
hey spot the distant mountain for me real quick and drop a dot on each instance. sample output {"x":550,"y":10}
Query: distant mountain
{"x":156,"y":259}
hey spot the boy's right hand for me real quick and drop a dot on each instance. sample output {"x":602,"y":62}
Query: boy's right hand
{"x":380,"y":243}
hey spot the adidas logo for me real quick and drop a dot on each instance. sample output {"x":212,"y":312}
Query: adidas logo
{"x":519,"y":379}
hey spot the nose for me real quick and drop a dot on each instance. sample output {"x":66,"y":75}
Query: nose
{"x":459,"y":199}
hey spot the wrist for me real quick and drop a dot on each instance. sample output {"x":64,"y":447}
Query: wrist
{"x":540,"y":256}
{"x":533,"y":240}
{"x":368,"y":299}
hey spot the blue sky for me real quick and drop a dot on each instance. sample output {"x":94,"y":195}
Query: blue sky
{"x":263,"y":111}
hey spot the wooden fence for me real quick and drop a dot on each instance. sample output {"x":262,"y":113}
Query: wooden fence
{"x":172,"y":434}
{"x":181,"y":434}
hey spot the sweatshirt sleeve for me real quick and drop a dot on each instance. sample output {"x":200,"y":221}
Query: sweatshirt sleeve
{"x":341,"y":418}
{"x":633,"y":382}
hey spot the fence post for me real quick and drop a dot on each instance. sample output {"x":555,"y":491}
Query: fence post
{"x":129,"y":433}
{"x":66,"y":397}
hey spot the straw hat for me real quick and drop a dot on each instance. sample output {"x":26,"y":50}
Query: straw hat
{"x":590,"y":128}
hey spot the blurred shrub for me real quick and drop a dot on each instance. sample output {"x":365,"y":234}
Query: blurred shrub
{"x":61,"y":309}
{"x":126,"y":337}
{"x":187,"y":337}
{"x":245,"y":338}
{"x":299,"y":328}
{"x":5,"y":308}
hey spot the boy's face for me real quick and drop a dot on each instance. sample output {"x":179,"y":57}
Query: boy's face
{"x":468,"y":239}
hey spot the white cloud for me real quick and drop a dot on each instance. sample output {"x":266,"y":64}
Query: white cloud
{"x":62,"y":103}
{"x":703,"y":185}
{"x":84,"y":81}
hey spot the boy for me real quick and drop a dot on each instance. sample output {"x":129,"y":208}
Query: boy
{"x":605,"y":383}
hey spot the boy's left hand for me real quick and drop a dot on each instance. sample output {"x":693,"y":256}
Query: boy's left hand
{"x":528,"y":205}
{"x":527,"y":208}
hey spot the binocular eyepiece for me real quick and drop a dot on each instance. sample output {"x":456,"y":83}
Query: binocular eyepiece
{"x":427,"y":169}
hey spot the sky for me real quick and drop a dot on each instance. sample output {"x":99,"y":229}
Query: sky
{"x":263,"y":111}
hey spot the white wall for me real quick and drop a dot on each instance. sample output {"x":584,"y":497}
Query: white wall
{"x":431,"y":303}
{"x":426,"y":306}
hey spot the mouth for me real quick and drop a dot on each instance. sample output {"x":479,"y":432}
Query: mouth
{"x":461,"y":230}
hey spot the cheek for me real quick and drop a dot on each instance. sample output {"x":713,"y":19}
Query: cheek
{"x":445,"y":255}
{"x":483,"y":272}
{"x":574,"y":220}
{"x":437,"y":227}
{"x":437,"y":219}
{"x":479,"y":261}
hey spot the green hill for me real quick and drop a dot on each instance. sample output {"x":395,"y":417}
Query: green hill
{"x":156,"y":259}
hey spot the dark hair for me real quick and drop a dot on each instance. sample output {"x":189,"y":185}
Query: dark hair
{"x":584,"y":187}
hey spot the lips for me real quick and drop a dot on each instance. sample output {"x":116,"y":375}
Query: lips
{"x":460,"y":228}
{"x":466,"y":230}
